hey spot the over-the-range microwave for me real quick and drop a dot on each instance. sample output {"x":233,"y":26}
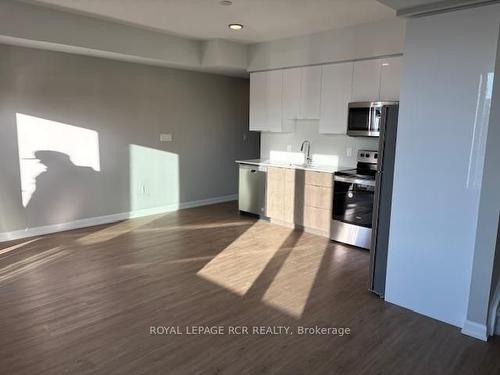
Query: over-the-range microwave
{"x":365,"y":118}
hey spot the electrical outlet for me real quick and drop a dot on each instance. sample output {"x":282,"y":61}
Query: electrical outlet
{"x":244,"y":137}
{"x":165,"y":137}
{"x":348,"y":152}
{"x":288,"y":148}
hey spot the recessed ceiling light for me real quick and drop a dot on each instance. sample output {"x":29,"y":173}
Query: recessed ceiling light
{"x":235,"y":26}
{"x":226,"y":2}
{"x":385,"y":64}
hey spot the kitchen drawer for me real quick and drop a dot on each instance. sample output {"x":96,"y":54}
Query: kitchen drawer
{"x":318,"y":196}
{"x":317,"y":218}
{"x":319,"y":178}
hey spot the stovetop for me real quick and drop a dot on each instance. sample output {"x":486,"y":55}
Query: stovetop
{"x":366,"y":171}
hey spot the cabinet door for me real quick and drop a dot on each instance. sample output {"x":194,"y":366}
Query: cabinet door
{"x":258,"y":109}
{"x":291,"y":97}
{"x":335,"y":97}
{"x":266,"y":90}
{"x":318,"y":196}
{"x":310,"y":92}
{"x":317,"y":218}
{"x":274,"y":92}
{"x":275,"y":193}
{"x":289,"y":196}
{"x":390,"y":78}
{"x":366,"y":81}
{"x":318,"y":179}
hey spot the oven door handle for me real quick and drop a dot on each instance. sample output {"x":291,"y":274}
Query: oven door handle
{"x":350,"y":180}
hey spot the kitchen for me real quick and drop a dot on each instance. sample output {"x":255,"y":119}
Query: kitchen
{"x":316,"y":192}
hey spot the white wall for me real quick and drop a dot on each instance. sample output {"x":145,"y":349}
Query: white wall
{"x":445,"y":95}
{"x":376,"y":39}
{"x":325,"y":149}
{"x":486,"y":269}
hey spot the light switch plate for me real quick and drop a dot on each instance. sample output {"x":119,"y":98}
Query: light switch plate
{"x":165,"y":137}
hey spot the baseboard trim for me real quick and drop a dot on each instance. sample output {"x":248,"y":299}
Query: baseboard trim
{"x":100,"y":220}
{"x":476,"y":330}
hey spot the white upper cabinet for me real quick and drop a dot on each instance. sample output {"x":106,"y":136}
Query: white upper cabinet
{"x":377,"y":79}
{"x":291,"y":96}
{"x":366,"y":81}
{"x":278,"y":98}
{"x":258,"y":110}
{"x":390,"y":78}
{"x":274,"y":89}
{"x":310,"y":92}
{"x":335,"y":97}
{"x":266,"y":94}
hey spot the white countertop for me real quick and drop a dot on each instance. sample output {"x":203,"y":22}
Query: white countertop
{"x":290,"y":165}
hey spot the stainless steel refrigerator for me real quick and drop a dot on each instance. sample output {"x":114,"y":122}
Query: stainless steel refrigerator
{"x":383,"y":198}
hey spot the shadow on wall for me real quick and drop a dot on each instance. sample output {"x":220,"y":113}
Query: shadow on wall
{"x":62,"y":180}
{"x":69,"y":173}
{"x":62,"y":189}
{"x":34,"y":134}
{"x":60,"y":170}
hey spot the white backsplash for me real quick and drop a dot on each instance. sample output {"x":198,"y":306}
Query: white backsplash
{"x":336,"y":150}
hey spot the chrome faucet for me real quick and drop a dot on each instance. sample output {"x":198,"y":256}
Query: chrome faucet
{"x":306,"y":149}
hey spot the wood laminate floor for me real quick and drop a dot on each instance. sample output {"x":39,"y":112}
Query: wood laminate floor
{"x":83,"y":302}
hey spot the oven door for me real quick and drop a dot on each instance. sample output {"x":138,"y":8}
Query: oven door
{"x":352,"y":211}
{"x":364,"y":119}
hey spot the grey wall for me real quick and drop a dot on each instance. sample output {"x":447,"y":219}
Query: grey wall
{"x":31,"y":25}
{"x":449,"y":61}
{"x":128,"y":106}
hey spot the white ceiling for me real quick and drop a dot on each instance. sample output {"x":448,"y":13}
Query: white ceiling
{"x":206,"y":19}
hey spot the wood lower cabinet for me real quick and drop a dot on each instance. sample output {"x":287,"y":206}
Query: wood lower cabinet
{"x":318,"y":196}
{"x":289,"y":204}
{"x":302,"y":198}
{"x":284,"y":194}
{"x":318,"y":179}
{"x":317,"y":219}
{"x":275,"y":193}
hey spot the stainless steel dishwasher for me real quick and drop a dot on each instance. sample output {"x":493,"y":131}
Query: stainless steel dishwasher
{"x":252,"y":189}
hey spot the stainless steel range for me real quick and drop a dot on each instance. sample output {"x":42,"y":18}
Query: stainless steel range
{"x":353,"y":199}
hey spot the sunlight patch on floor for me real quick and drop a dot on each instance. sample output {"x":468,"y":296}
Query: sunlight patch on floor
{"x":19,"y":245}
{"x":114,"y":231}
{"x":30,"y":264}
{"x":292,"y":286}
{"x":174,"y":228}
{"x":236,"y":268}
